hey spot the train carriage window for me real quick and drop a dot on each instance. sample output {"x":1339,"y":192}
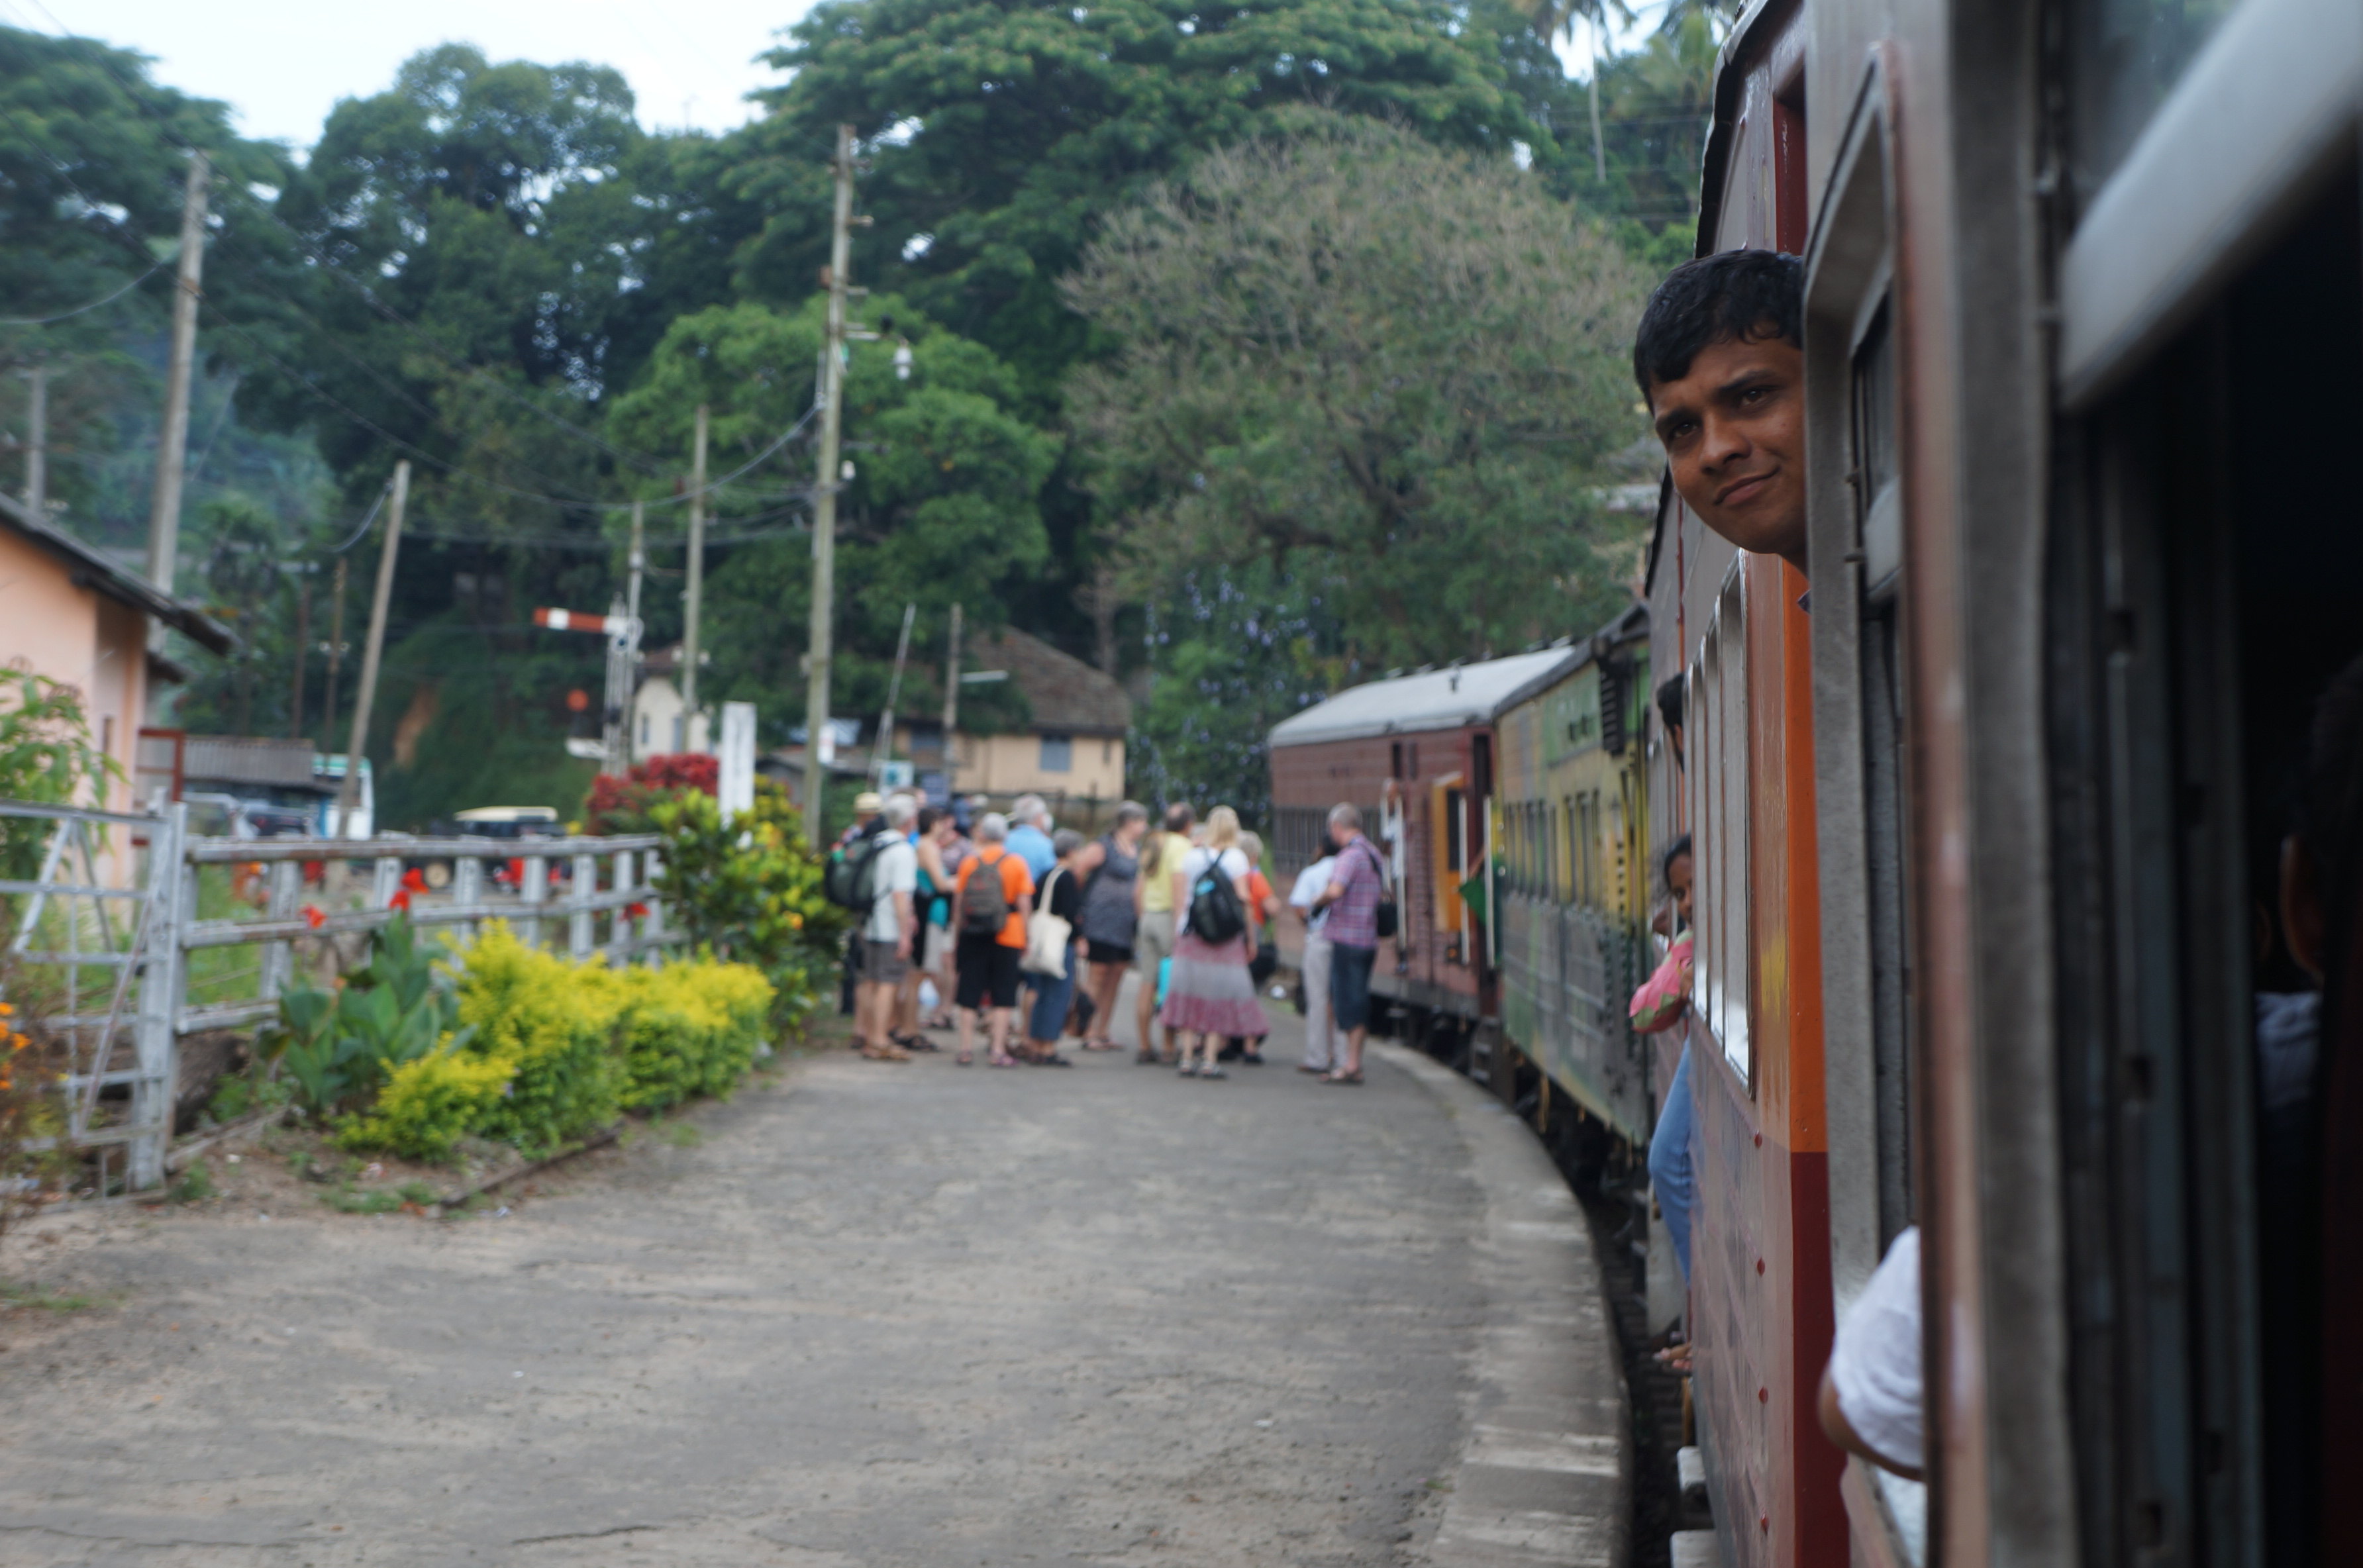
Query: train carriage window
{"x":2128,"y":55}
{"x":1724,"y":971}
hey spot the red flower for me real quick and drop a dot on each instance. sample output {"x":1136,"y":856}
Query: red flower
{"x":636,"y":912}
{"x":315,"y":917}
{"x":401,"y":900}
{"x":415,"y":881}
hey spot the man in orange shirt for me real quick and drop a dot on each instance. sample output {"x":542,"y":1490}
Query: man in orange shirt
{"x":990,"y":898}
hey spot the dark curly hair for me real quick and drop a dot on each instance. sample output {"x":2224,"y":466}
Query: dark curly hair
{"x":1731,"y":296}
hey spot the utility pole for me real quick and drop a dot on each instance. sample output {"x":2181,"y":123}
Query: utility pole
{"x":302,"y":650}
{"x":173,"y":442}
{"x":695,"y":594}
{"x":336,"y":649}
{"x":952,"y":708}
{"x":36,"y":447}
{"x":371,"y":650}
{"x":821,"y":646}
{"x":884,"y":752}
{"x":636,"y":565}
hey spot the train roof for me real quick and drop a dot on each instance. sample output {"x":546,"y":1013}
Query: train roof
{"x":1454,"y":696}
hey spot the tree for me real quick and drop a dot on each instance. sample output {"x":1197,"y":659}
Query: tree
{"x":94,"y":162}
{"x":944,"y":508}
{"x":1001,"y":130}
{"x":1377,"y":366}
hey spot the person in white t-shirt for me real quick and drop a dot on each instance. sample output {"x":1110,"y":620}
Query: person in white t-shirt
{"x":1320,"y":1040}
{"x":1870,"y":1400}
{"x":887,"y":933}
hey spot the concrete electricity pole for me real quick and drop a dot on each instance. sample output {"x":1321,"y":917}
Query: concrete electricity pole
{"x":825,"y":486}
{"x":350,"y":787}
{"x":635,"y":566}
{"x":695,"y":594}
{"x":303,"y":649}
{"x":952,"y":708}
{"x":884,"y":752}
{"x":37,"y":444}
{"x":335,"y":650}
{"x":173,"y":442}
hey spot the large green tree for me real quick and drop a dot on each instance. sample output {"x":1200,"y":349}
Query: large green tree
{"x":944,"y":507}
{"x":1381,"y":367}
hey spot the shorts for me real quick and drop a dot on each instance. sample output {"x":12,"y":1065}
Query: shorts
{"x":987,"y":967}
{"x":937,"y":953}
{"x":880,"y":965}
{"x":1350,"y":985}
{"x":1152,"y":941}
{"x":1106,"y":953}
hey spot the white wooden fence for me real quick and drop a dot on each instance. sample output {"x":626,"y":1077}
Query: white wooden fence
{"x":78,"y":917}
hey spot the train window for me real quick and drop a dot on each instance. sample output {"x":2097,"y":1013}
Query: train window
{"x":1395,"y":759}
{"x":1723,"y":972}
{"x":2204,"y":577}
{"x":2128,"y":55}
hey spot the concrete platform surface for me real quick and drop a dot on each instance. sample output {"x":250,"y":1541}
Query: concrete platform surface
{"x":879,"y":1315}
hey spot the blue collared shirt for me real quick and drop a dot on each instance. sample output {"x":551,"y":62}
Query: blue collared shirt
{"x":1031,"y":846}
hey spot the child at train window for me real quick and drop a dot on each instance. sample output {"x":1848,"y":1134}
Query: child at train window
{"x":1720,"y":357}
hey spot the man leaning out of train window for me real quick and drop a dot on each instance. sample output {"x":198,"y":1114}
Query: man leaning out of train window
{"x":1720,"y":357}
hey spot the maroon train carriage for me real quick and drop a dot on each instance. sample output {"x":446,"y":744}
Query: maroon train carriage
{"x":1415,"y":752}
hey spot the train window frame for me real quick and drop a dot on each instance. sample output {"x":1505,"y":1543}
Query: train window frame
{"x":1856,"y":350}
{"x":2264,"y":112}
{"x":1722,"y":976}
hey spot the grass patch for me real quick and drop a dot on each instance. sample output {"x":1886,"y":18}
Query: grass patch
{"x":196,"y":1185}
{"x":683,"y":1134}
{"x":35,"y":1299}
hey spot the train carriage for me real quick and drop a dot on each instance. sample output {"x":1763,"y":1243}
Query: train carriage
{"x":1415,"y":752}
{"x":1988,"y":827}
{"x":1572,"y":875}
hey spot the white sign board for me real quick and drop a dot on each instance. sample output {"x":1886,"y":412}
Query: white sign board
{"x":735,"y":787}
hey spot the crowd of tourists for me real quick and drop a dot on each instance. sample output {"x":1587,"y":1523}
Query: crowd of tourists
{"x":1008,"y":927}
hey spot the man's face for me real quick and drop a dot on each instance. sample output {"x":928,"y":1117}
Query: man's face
{"x":1734,"y":430}
{"x":1341,"y":836}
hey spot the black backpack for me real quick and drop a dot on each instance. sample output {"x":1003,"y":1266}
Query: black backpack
{"x":1215,"y":916}
{"x":1385,"y":919}
{"x":984,"y":903}
{"x":851,"y":880}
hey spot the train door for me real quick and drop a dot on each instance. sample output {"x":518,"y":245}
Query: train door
{"x":2205,"y":564}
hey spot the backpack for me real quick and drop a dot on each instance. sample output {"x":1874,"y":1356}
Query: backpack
{"x":1214,"y":916}
{"x":1385,"y":919}
{"x":984,"y":902}
{"x":851,"y":880}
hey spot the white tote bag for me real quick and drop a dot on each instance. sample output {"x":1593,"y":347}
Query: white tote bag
{"x":1047,"y":937}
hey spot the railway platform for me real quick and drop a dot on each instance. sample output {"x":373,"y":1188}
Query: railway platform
{"x":866,"y":1315}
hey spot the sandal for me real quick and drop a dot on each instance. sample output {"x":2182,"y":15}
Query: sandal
{"x":966,"y":1059}
{"x":1001,"y":1062}
{"x":1213,"y":1070}
{"x":1251,"y":1059}
{"x":1049,"y":1059}
{"x":1147,"y":1058}
{"x":1352,"y":1077}
{"x":1188,"y":1069}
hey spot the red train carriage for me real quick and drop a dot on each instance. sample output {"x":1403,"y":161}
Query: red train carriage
{"x":1415,"y":752}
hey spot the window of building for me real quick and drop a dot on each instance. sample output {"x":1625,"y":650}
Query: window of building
{"x":1058,"y":753}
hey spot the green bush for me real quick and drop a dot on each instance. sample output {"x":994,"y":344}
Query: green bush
{"x":554,"y":1024}
{"x":690,"y":1029}
{"x":337,"y":1047}
{"x":431,"y":1103}
{"x":749,"y":890}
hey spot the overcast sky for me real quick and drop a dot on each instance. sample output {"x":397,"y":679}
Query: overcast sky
{"x":282,"y":65}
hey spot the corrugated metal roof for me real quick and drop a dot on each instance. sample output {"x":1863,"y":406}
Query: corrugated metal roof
{"x":1440,"y":699}
{"x":249,"y":760}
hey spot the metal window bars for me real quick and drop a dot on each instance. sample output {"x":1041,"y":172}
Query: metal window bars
{"x":98,"y":905}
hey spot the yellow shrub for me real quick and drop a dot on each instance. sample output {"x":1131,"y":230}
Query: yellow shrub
{"x":556,"y":1023}
{"x":690,"y":1029}
{"x":430,"y":1103}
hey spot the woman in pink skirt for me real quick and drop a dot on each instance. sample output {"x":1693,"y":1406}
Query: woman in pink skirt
{"x":1210,"y":995}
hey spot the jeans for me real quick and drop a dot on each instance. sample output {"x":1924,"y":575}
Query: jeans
{"x":1673,"y":1174}
{"x":1051,"y":1001}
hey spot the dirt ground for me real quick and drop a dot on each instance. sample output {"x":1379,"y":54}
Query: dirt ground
{"x":861,"y":1314}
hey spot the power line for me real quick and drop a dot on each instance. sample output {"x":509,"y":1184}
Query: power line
{"x":110,"y":299}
